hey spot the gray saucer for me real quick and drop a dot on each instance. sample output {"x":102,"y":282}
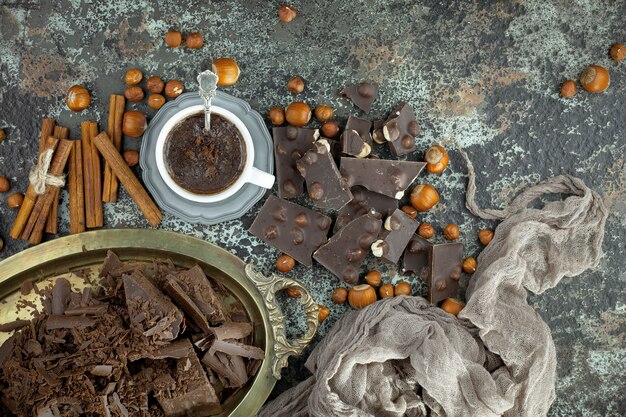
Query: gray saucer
{"x":206,"y":213}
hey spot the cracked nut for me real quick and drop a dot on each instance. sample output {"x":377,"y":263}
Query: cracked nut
{"x":424,"y":197}
{"x":285,"y":263}
{"x":227,"y":71}
{"x":452,"y":306}
{"x":469,"y":265}
{"x":339,"y":296}
{"x":402,"y":288}
{"x":330,"y":129}
{"x":156,"y":101}
{"x":5,"y":185}
{"x":426,"y":230}
{"x":173,"y":39}
{"x":595,"y":79}
{"x":286,"y":13}
{"x":568,"y":89}
{"x":361,"y":296}
{"x":194,"y":41}
{"x":436,"y":159}
{"x":133,"y":76}
{"x":618,"y":52}
{"x":386,"y":291}
{"x":379,"y":248}
{"x":78,"y":98}
{"x":293,"y":292}
{"x":134,"y":123}
{"x":174,"y":88}
{"x":373,"y":278}
{"x":131,"y":158}
{"x":298,"y":113}
{"x":277,"y":116}
{"x":155,"y":85}
{"x":323,"y":112}
{"x":485,"y":236}
{"x":451,"y":232}
{"x":322,"y":313}
{"x":134,"y":94}
{"x":295,"y":85}
{"x":15,"y":201}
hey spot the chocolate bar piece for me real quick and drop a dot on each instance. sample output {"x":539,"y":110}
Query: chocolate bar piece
{"x":291,"y":228}
{"x":400,"y":129}
{"x":198,"y":288}
{"x":399,"y":228}
{"x":182,"y":299}
{"x":363,"y":201}
{"x":383,"y":176}
{"x":377,"y":132}
{"x":446,"y":264}
{"x":417,"y":258}
{"x":290,"y":144}
{"x":353,"y":144}
{"x":324,"y":183}
{"x":362,"y":95}
{"x":362,"y":126}
{"x":344,"y":252}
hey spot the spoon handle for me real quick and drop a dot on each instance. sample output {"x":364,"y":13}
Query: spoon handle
{"x":207,"y":83}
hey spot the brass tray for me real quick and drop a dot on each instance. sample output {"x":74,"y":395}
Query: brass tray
{"x":255,"y":291}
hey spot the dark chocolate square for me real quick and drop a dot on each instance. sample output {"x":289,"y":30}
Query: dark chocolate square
{"x":290,"y":143}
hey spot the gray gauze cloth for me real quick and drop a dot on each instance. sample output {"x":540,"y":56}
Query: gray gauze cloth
{"x":404,"y":357}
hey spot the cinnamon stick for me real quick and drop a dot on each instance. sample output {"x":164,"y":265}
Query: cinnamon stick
{"x":90,"y":218}
{"x":52,"y":225}
{"x":30,"y":197}
{"x":33,"y":232}
{"x":76,"y":189}
{"x":96,"y":177}
{"x":116,"y":113}
{"x":128,"y":179}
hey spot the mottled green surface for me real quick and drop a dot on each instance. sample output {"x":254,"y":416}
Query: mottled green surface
{"x":483,"y":76}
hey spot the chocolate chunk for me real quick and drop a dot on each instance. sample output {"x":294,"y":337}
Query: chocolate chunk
{"x":196,"y":285}
{"x":446,"y":264}
{"x":377,"y":132}
{"x":291,"y":228}
{"x":150,"y":310}
{"x":398,"y":230}
{"x":400,"y":129}
{"x":183,"y":300}
{"x":111,"y":263}
{"x":223,"y":366}
{"x":364,"y":200}
{"x":290,"y":144}
{"x":383,"y":176}
{"x":69,"y":322}
{"x":345,"y":251}
{"x":417,"y":258}
{"x":233,"y":348}
{"x":92,"y":310}
{"x":60,"y":296}
{"x":232,"y":330}
{"x":362,"y":94}
{"x":362,"y":127}
{"x":326,"y":187}
{"x":353,"y":144}
{"x":13,"y":325}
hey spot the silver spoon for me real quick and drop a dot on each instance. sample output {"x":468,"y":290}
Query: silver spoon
{"x":207,"y":83}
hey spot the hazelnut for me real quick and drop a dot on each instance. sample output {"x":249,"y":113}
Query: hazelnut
{"x":133,"y":76}
{"x":424,"y":197}
{"x":485,"y":236}
{"x":373,"y":278}
{"x":286,"y":13}
{"x":134,"y":123}
{"x":5,"y":185}
{"x":156,"y":101}
{"x":426,"y":230}
{"x":469,"y":265}
{"x":78,"y":98}
{"x":322,"y":313}
{"x":451,"y":232}
{"x":293,"y":292}
{"x":14,"y":201}
{"x":3,"y":135}
{"x":174,"y":88}
{"x":340,"y":295}
{"x":277,"y":116}
{"x":285,"y":263}
{"x":361,"y":296}
{"x":227,"y":71}
{"x":131,"y":158}
{"x":452,"y":306}
{"x":155,"y":85}
{"x":330,"y":129}
{"x":1,"y":244}
{"x":409,"y":210}
{"x":386,"y":291}
{"x":295,"y":85}
{"x":436,"y":159}
{"x":134,"y":93}
{"x":194,"y":40}
{"x":323,"y":112}
{"x":595,"y":79}
{"x":173,"y":39}
{"x":568,"y":89}
{"x":618,"y":52}
{"x":402,"y":288}
{"x":298,"y":113}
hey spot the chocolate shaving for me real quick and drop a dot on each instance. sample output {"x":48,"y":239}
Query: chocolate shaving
{"x":69,"y":322}
{"x":231,"y":347}
{"x":183,"y":300}
{"x":14,"y":325}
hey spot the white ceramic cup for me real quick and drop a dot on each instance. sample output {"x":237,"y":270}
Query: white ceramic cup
{"x":250,"y":174}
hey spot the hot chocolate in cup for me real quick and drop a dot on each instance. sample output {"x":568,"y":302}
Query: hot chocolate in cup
{"x":203,"y":156}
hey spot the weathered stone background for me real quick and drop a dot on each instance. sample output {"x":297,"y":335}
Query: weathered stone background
{"x":482,"y":75}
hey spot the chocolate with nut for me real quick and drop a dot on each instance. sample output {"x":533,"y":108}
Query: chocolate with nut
{"x":363,"y":201}
{"x":417,"y":258}
{"x":326,"y":187}
{"x":377,"y":132}
{"x":362,"y":95}
{"x":398,"y":230}
{"x":290,"y":144}
{"x":353,"y":144}
{"x":400,"y":129}
{"x":446,"y":261}
{"x":291,"y":228}
{"x":362,"y":126}
{"x":383,"y":176}
{"x":345,"y":251}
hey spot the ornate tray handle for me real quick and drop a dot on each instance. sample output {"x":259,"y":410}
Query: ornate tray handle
{"x":283,"y":348}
